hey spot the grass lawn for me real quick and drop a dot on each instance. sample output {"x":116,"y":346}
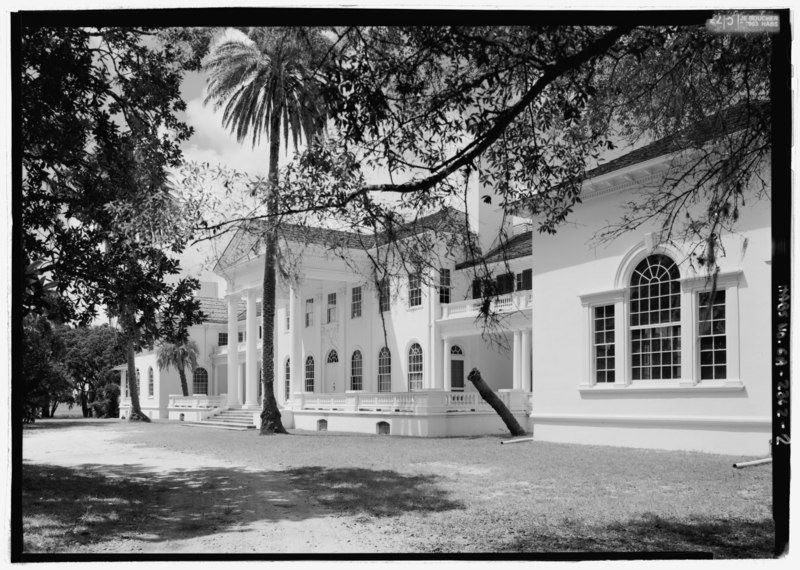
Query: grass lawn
{"x":428,"y":495}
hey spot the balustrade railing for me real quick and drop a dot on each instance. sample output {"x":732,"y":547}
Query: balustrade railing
{"x":196,"y":401}
{"x":508,"y":302}
{"x":425,"y":401}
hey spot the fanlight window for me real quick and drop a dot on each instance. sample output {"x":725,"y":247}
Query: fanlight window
{"x":200,"y":381}
{"x":332,"y":357}
{"x":310,"y":374}
{"x":415,"y":367}
{"x":357,"y":371}
{"x":655,"y":316}
{"x":384,"y":370}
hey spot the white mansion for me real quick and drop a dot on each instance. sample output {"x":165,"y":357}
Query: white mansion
{"x":612,"y":345}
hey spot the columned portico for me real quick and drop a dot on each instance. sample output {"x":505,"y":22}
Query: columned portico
{"x":234,"y":397}
{"x":251,"y":338}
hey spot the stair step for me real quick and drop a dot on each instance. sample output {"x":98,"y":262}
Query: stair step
{"x":217,"y":426}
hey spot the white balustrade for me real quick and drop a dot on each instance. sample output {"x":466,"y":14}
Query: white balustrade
{"x":509,"y":302}
{"x":196,"y":401}
{"x":423,"y":402}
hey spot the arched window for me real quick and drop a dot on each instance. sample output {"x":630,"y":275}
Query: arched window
{"x":415,"y":367}
{"x":150,"y":382}
{"x":655,"y":319}
{"x":287,"y":376}
{"x":456,"y":350}
{"x":357,"y":371}
{"x":200,"y":381}
{"x":310,"y":374}
{"x":333,"y":357}
{"x":384,"y":370}
{"x":138,"y":384}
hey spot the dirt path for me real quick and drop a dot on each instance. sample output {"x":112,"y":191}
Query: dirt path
{"x":276,"y":517}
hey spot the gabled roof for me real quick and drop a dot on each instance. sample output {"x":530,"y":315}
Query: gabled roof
{"x":246,"y":244}
{"x":728,"y":121}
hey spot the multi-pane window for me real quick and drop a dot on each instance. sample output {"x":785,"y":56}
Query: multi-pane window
{"x":333,"y":357}
{"x":504,"y":283}
{"x":444,"y":285}
{"x":414,"y":290}
{"x":241,"y":336}
{"x":711,"y":333}
{"x":222,"y":339}
{"x":150,"y":382}
{"x":331,"y":311}
{"x":310,"y":374}
{"x":655,"y":319}
{"x":287,"y":377}
{"x":355,"y":305}
{"x":259,"y":331}
{"x":383,"y":295}
{"x":309,"y":312}
{"x":604,"y":343}
{"x":200,"y":381}
{"x":415,"y":367}
{"x":288,"y":317}
{"x":138,"y":384}
{"x":357,"y":371}
{"x":384,"y":370}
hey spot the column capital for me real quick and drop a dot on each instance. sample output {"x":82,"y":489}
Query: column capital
{"x":233,"y":296}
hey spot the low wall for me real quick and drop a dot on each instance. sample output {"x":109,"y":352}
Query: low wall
{"x":408,"y":424}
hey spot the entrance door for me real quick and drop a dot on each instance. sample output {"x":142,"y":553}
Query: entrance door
{"x":332,"y":381}
{"x":457,"y":375}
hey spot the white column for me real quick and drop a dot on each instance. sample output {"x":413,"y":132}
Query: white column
{"x":525,"y":383}
{"x":516,"y":358}
{"x":444,"y":382}
{"x":297,"y":324}
{"x":234,"y":397}
{"x":251,"y":391}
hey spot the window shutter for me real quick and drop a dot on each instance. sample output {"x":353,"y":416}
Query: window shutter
{"x":476,"y":289}
{"x":527,"y":280}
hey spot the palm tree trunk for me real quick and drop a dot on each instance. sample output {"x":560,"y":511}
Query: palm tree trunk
{"x":496,"y":403}
{"x":184,"y":385}
{"x":270,"y":414}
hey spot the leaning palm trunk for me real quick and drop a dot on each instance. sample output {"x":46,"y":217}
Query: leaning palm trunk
{"x":496,"y":403}
{"x":270,"y":414}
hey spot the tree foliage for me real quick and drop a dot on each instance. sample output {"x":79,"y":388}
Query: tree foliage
{"x":90,"y":355}
{"x":44,"y":383}
{"x":180,"y":356}
{"x":100,"y":219}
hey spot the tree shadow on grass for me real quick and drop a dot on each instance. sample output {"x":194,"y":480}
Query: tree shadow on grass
{"x":720,"y":537}
{"x":67,"y":508}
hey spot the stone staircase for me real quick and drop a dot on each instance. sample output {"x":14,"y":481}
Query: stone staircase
{"x":235,"y":419}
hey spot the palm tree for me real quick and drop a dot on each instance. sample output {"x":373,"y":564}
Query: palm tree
{"x":264,"y":78}
{"x":180,"y":356}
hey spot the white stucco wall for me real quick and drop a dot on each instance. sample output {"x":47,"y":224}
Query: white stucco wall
{"x":726,"y":421}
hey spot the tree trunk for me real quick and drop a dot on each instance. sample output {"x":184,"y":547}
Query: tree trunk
{"x":45,"y":410}
{"x":53,"y":409}
{"x":84,"y":402}
{"x":184,"y":385}
{"x":136,"y":410}
{"x":270,"y":414}
{"x":496,"y":403}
